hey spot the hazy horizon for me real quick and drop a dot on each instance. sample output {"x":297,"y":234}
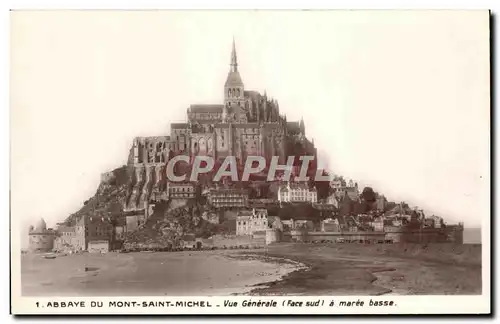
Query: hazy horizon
{"x":398,"y":101}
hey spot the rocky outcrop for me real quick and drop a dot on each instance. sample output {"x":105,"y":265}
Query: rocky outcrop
{"x":136,"y":185}
{"x":168,"y":224}
{"x":148,"y":185}
{"x":168,"y":221}
{"x":108,"y":199}
{"x":159,"y":179}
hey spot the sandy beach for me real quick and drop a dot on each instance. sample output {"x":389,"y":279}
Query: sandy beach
{"x":188,"y":273}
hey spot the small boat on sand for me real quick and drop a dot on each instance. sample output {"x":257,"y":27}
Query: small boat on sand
{"x":49,"y":256}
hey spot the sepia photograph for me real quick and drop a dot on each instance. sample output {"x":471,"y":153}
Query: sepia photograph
{"x":250,"y":161}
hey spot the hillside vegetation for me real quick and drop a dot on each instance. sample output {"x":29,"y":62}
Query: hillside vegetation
{"x":108,"y":199}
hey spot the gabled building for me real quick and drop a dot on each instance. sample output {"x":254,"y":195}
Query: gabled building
{"x":250,"y":221}
{"x":244,"y":223}
{"x":297,"y":192}
{"x":228,"y":198}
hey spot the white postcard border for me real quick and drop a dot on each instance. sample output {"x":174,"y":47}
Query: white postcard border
{"x":404,"y":304}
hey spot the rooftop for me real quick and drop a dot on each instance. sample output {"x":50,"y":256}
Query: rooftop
{"x":178,"y":125}
{"x":65,"y":229}
{"x":234,"y":79}
{"x":293,"y":127}
{"x":206,"y":108}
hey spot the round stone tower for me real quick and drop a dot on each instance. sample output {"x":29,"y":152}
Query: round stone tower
{"x":41,"y":239}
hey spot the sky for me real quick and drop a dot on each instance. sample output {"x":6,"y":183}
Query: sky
{"x":396,"y":100}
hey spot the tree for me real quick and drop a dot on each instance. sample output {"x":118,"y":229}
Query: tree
{"x":298,"y":211}
{"x":346,"y":206}
{"x":389,"y":206}
{"x":362,"y":207}
{"x":323,"y":187}
{"x":368,"y":195}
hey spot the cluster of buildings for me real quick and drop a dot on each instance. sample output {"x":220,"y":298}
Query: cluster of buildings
{"x":341,"y":187}
{"x":226,"y":197}
{"x":361,"y":228}
{"x":93,"y":234}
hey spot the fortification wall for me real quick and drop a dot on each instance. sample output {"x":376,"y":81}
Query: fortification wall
{"x":447,"y":235}
{"x":304,"y":236}
{"x":234,"y":240}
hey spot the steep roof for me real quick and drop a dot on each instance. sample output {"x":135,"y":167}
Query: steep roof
{"x":178,"y":125}
{"x":40,"y":225}
{"x":206,"y":108}
{"x":295,"y":185}
{"x":233,"y":79}
{"x":293,"y":127}
{"x":252,"y":94}
{"x":65,"y":229}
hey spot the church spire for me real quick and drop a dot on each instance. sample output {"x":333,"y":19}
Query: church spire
{"x":234,"y":59}
{"x":233,"y":78}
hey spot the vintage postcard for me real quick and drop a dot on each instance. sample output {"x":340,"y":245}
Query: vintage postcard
{"x":250,"y":162}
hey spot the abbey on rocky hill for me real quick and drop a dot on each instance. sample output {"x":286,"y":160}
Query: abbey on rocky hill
{"x":245,"y":124}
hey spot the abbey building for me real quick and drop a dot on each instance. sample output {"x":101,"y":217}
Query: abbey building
{"x":246,"y":124}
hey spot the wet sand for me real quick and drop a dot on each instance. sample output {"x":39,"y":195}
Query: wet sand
{"x":356,"y":269}
{"x":188,"y":273}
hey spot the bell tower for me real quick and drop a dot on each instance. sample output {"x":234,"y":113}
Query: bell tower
{"x":234,"y":97}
